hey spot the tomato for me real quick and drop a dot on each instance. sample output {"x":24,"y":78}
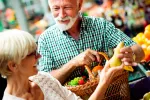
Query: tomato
{"x":84,"y":77}
{"x":81,"y":82}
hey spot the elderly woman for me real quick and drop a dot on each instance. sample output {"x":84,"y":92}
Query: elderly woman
{"x":18,"y":58}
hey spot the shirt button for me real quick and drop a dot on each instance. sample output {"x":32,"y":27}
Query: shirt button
{"x":80,"y":51}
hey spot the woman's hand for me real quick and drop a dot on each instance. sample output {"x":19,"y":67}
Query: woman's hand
{"x":106,"y":76}
{"x":107,"y":73}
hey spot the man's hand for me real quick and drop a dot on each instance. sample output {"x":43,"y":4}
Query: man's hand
{"x":127,"y":56}
{"x":86,"y":58}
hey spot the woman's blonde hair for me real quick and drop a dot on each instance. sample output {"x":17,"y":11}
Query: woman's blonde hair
{"x":15,"y":45}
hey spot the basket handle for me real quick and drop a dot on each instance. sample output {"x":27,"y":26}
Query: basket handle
{"x":91,"y":76}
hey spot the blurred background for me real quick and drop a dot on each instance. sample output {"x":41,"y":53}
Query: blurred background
{"x":34,"y":16}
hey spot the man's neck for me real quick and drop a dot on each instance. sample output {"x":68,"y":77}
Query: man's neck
{"x":74,"y":32}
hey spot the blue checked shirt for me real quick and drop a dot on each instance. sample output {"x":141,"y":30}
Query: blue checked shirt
{"x":57,"y":47}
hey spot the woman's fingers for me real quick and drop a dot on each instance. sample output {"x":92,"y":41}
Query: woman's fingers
{"x":117,"y":69}
{"x":107,"y":66}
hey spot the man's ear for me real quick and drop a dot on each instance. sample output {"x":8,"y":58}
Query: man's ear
{"x":80,"y":4}
{"x":12,"y":66}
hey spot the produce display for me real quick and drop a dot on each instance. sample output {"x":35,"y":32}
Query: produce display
{"x":143,"y":39}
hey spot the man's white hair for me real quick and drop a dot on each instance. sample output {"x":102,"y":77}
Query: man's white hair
{"x":50,"y":3}
{"x":15,"y":45}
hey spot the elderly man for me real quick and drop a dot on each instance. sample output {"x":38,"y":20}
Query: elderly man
{"x":76,"y":40}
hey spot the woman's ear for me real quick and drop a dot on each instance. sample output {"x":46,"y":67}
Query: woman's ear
{"x":12,"y":66}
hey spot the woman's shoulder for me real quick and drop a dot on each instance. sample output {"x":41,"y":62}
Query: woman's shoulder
{"x":41,"y":76}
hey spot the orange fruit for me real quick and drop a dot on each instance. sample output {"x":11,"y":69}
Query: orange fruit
{"x":147,"y":58}
{"x":141,"y":40}
{"x":148,"y":50}
{"x":147,"y":27}
{"x":146,"y":55}
{"x":147,"y":34}
{"x":139,"y":34}
{"x":134,"y":39}
{"x":147,"y":41}
{"x":96,"y":68}
{"x":144,"y":47}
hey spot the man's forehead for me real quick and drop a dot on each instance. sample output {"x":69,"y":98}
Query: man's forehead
{"x":71,"y":1}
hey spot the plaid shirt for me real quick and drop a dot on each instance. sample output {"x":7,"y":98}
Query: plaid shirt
{"x":57,"y":47}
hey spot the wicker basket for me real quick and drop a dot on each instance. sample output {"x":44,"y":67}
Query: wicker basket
{"x":117,"y":90}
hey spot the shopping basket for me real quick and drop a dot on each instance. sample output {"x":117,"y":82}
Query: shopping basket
{"x":117,"y":90}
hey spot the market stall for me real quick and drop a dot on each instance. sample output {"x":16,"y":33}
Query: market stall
{"x":127,"y":15}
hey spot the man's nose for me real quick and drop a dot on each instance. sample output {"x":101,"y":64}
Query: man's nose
{"x":62,"y":13}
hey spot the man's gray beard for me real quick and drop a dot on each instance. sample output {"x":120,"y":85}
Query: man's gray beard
{"x":65,"y":27}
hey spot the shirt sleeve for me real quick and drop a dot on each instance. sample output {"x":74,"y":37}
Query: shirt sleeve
{"x":44,"y":78}
{"x":115,"y":36}
{"x":70,"y":95}
{"x":67,"y":93}
{"x":46,"y":62}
